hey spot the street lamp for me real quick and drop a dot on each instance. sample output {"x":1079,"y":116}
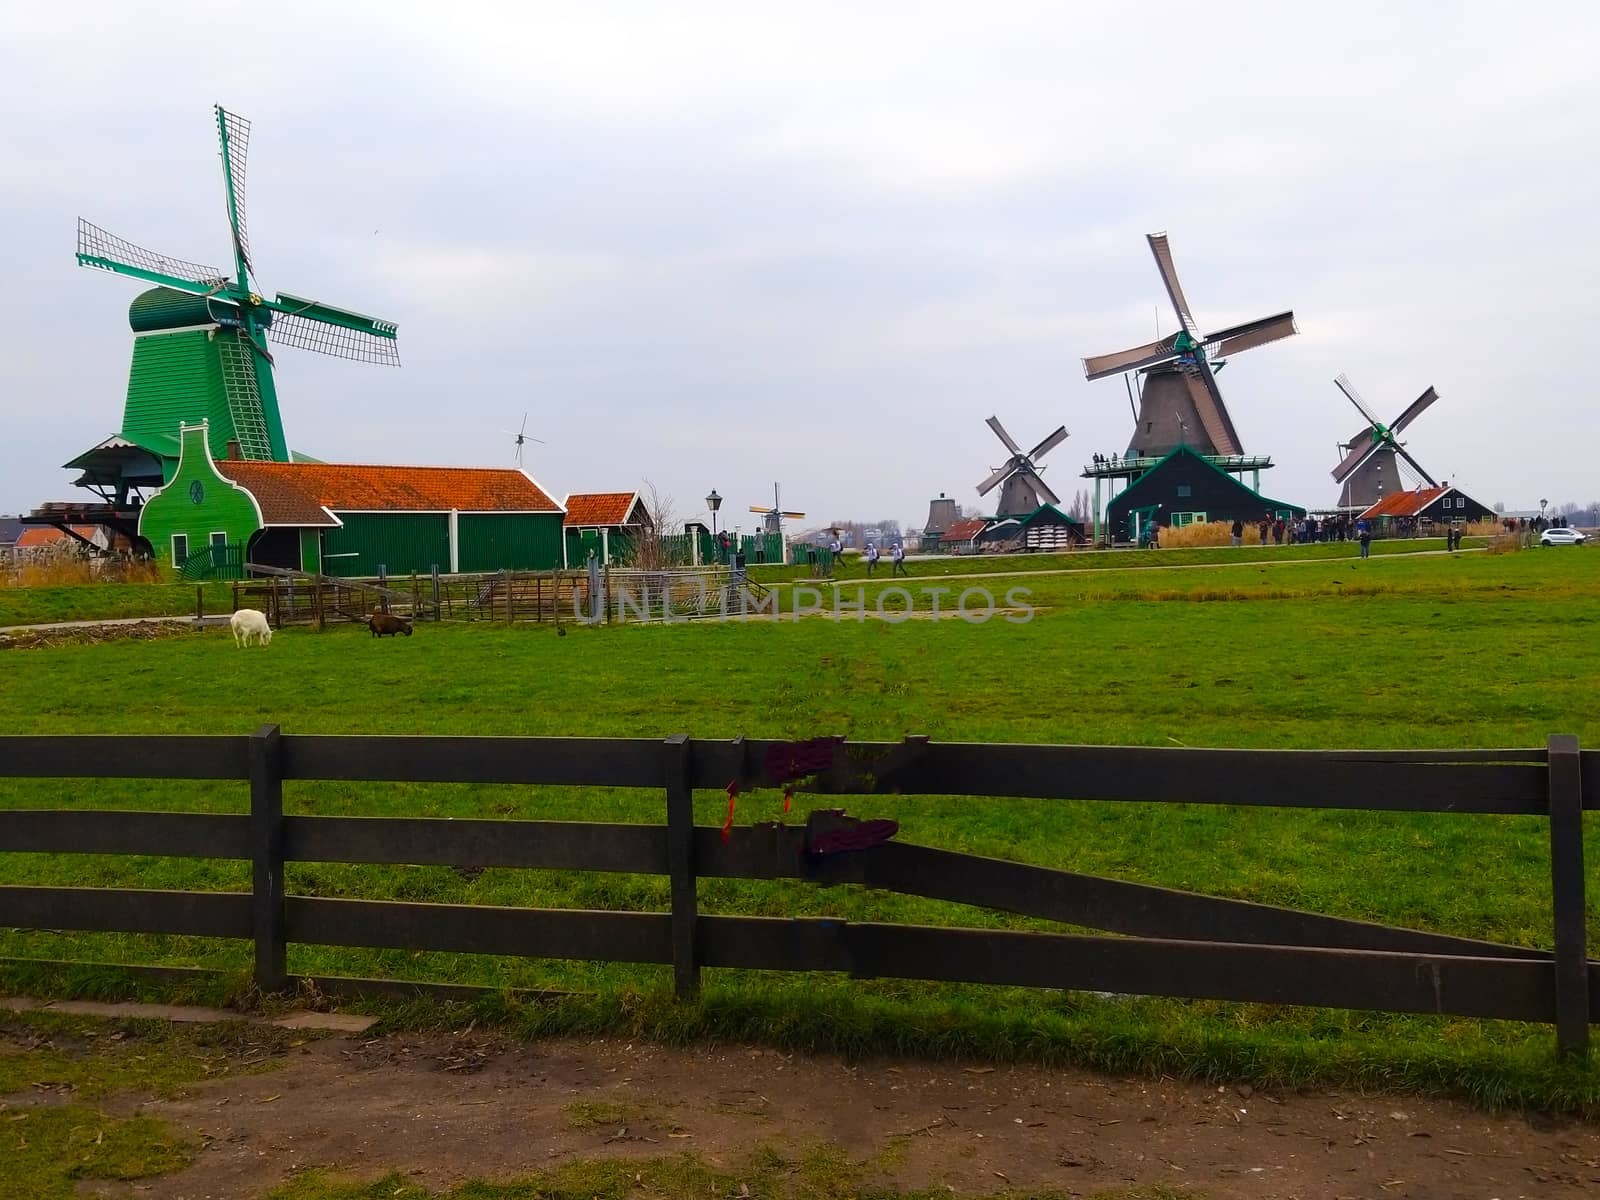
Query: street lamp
{"x":714,"y":502}
{"x":1543,"y":504}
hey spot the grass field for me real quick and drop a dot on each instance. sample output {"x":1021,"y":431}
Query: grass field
{"x":107,"y":601}
{"x":1470,"y":650}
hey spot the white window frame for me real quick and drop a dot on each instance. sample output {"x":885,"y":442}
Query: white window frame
{"x":211,"y":538}
{"x":176,"y":561}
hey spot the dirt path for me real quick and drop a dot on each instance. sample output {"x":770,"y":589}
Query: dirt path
{"x":440,"y":1110}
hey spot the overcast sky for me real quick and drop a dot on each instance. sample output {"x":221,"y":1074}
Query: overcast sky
{"x":718,"y":245}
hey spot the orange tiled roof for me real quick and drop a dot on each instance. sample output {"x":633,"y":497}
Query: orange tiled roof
{"x":599,"y":508}
{"x":1405,"y":504}
{"x":296,"y":493}
{"x":964,"y":531}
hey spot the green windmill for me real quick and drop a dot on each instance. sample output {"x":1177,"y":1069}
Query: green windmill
{"x":203,"y":347}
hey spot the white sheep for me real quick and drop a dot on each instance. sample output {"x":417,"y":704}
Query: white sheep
{"x":249,"y":625}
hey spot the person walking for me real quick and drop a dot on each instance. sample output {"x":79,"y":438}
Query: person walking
{"x":872,"y":557}
{"x":899,"y":560}
{"x":1238,"y":533}
{"x":1364,"y":536}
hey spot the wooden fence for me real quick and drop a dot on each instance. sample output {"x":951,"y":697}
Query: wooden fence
{"x":293,"y":598}
{"x":1172,"y":943}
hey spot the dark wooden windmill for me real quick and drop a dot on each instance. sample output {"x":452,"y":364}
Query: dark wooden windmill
{"x":1021,"y":489}
{"x":1179,"y":401}
{"x":1369,"y":470}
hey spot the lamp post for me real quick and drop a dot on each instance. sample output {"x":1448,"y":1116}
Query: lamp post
{"x":1543,"y":504}
{"x":714,"y":502}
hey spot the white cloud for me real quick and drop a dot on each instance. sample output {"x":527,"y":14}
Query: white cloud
{"x":718,"y":244}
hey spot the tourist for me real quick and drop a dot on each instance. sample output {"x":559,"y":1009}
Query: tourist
{"x":899,"y":560}
{"x":1364,"y":536}
{"x":1265,"y":526}
{"x":1238,"y":533}
{"x":872,"y":557}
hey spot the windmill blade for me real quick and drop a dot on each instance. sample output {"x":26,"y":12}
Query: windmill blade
{"x":1040,"y":486}
{"x":1213,"y":413}
{"x":1049,"y":444}
{"x":1130,"y":360}
{"x":1169,"y":276}
{"x":1343,"y":383}
{"x":107,"y":252}
{"x":995,"y":480}
{"x":1251,"y":334}
{"x":1000,"y":432}
{"x":234,"y":133}
{"x":1415,"y":465}
{"x":312,"y":325}
{"x":1418,"y":407}
{"x":1363,"y":447}
{"x":791,"y":514}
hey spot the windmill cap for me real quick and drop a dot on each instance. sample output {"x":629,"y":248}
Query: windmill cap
{"x":166,"y":308}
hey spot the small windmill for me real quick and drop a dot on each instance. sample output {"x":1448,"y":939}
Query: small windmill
{"x":1180,"y":403}
{"x":1370,"y":456}
{"x":520,"y":437}
{"x":240,"y":324}
{"x":1023,"y":490}
{"x":772,"y":518}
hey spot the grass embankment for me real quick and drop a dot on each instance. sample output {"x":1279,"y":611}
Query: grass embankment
{"x":107,"y":601}
{"x":852,"y":566}
{"x":1474,"y":650}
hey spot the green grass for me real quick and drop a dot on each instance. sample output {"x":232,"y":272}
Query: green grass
{"x":47,"y":1150}
{"x":92,"y":1058}
{"x":107,"y":601}
{"x":767,"y":1174}
{"x":1439,"y":651}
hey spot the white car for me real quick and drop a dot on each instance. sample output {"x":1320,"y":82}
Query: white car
{"x":1562,"y":537}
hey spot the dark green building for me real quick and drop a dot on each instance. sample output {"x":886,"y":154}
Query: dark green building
{"x":216,"y":515}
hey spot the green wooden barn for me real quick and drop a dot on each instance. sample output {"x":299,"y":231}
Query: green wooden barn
{"x":214,"y":516}
{"x":606,"y":523}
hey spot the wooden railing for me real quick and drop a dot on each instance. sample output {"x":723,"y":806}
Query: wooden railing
{"x":1171,"y":943}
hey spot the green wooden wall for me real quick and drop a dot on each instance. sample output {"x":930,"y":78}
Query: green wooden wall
{"x":514,"y":541}
{"x":176,"y":379}
{"x":399,"y":542}
{"x":196,"y":502}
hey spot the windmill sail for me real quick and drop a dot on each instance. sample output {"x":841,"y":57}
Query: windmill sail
{"x":326,"y":329}
{"x":106,"y":251}
{"x":234,"y":133}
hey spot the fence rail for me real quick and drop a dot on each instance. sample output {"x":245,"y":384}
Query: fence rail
{"x":1168,"y":942}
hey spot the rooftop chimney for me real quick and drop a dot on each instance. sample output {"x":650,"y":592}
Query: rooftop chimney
{"x":232,"y":453}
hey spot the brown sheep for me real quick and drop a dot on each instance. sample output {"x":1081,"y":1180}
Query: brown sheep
{"x":387,"y":625}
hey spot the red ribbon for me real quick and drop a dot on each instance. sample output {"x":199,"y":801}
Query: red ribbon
{"x":733,"y":790}
{"x":786,"y":794}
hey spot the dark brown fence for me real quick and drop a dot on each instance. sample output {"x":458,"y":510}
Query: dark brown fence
{"x":1173,"y":943}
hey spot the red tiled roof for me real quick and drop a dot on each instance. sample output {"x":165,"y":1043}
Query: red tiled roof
{"x":43,"y":535}
{"x":1404,"y":504}
{"x":599,"y":508}
{"x":296,"y":493}
{"x":964,"y":531}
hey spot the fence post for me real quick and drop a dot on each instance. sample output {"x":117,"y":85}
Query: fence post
{"x":436,"y":591}
{"x":677,"y":757}
{"x":199,"y":602}
{"x":266,"y":851}
{"x":1566,"y":887}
